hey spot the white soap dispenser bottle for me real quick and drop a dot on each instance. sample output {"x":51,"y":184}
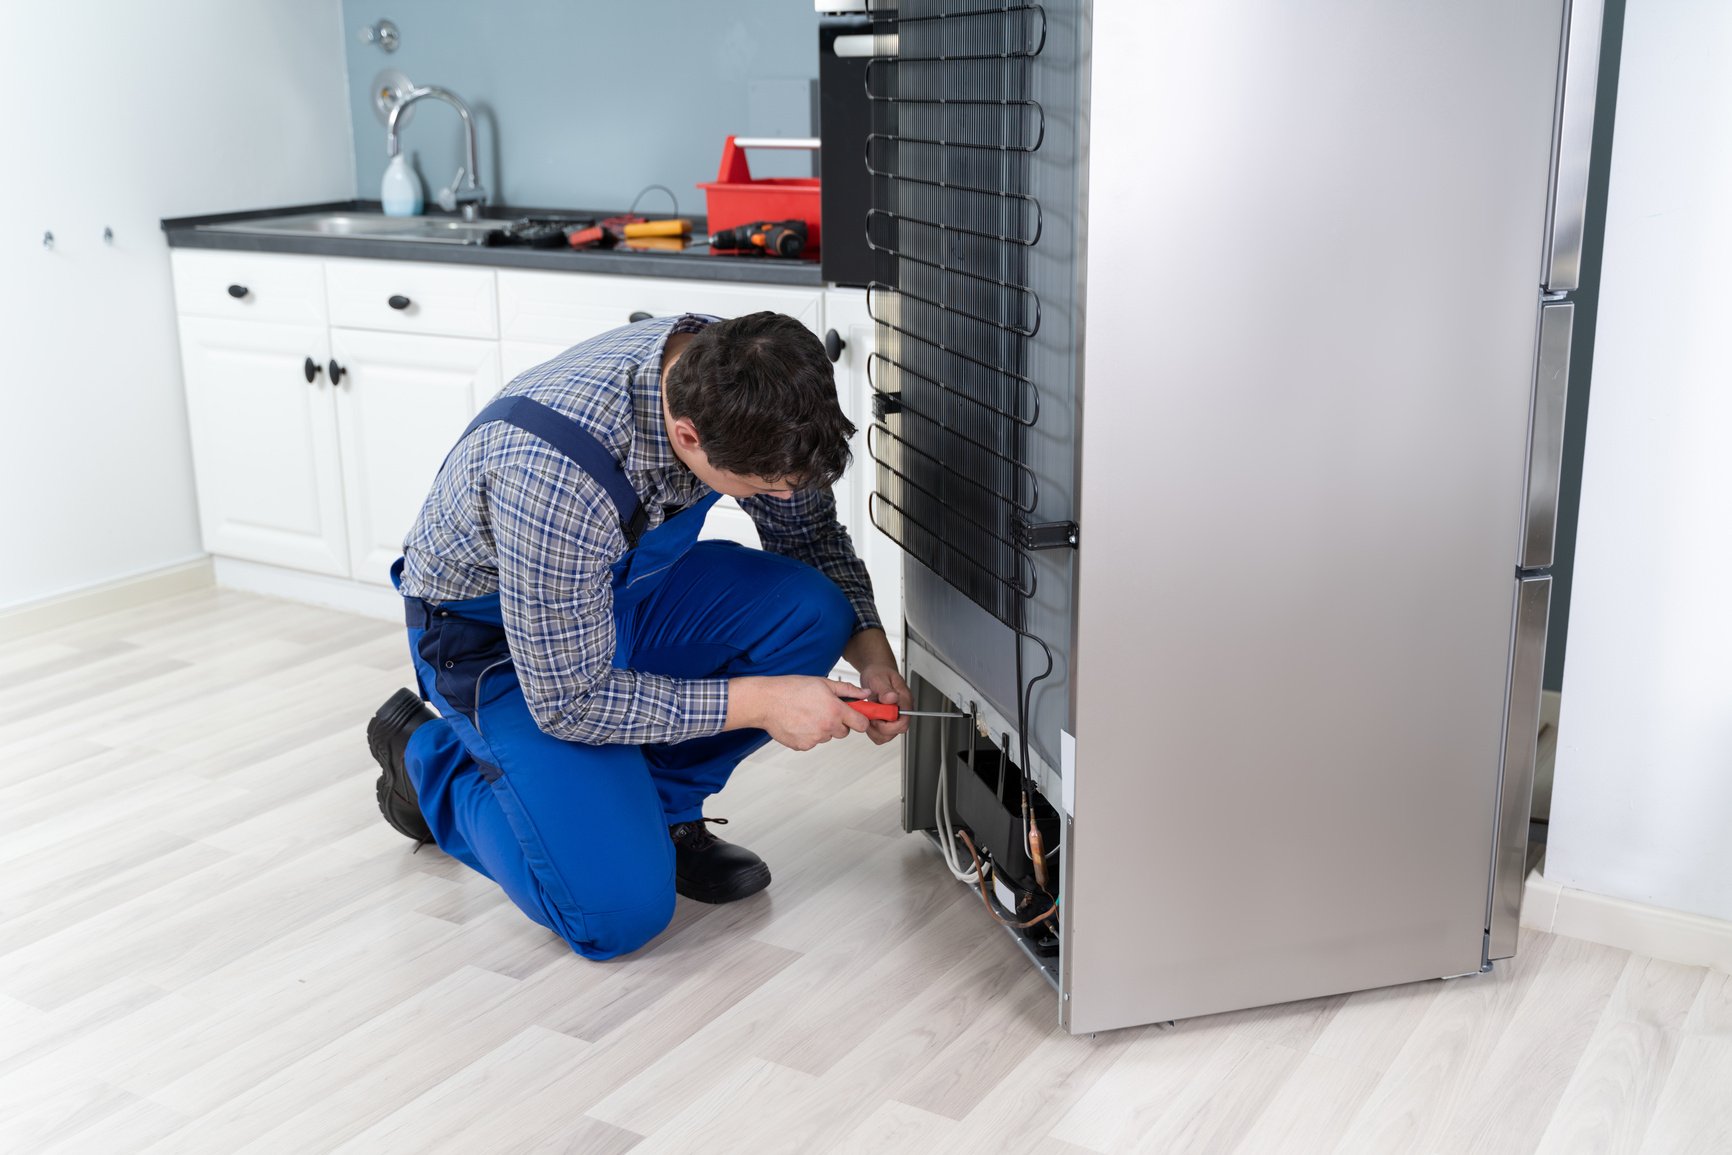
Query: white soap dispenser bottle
{"x":400,"y":190}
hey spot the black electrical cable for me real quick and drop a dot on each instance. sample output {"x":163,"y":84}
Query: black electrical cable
{"x":1024,"y":699}
{"x":648,"y":188}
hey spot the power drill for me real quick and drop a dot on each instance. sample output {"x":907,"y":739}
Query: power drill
{"x":777,"y":238}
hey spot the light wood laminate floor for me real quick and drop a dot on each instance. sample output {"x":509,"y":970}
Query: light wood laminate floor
{"x":209,"y":942}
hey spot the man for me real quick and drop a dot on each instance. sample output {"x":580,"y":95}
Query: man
{"x":597,"y":671}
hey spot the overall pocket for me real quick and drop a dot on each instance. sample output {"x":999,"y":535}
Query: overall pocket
{"x":460,"y":650}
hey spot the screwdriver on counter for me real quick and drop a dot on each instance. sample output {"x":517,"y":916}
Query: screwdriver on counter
{"x":890,"y":711}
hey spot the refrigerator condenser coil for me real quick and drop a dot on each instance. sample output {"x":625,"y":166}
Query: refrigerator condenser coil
{"x":954,"y":129}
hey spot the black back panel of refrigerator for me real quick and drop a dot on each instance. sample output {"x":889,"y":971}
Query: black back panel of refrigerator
{"x":975,"y":186}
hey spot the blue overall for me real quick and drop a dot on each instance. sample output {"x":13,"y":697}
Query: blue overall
{"x":577,"y":835}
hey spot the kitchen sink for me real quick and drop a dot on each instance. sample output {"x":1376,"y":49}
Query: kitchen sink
{"x":369,"y":226}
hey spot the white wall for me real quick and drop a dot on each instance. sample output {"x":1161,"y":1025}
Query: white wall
{"x":1642,"y":803}
{"x":119,"y":114}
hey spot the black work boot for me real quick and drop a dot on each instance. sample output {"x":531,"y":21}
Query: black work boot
{"x":709,"y":870}
{"x":387,"y":734}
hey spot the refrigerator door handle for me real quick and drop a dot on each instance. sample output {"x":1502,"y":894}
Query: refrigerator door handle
{"x":1574,"y":144}
{"x":1520,"y":748}
{"x":1546,"y":434}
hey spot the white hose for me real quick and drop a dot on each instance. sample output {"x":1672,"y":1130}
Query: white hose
{"x":947,"y":840}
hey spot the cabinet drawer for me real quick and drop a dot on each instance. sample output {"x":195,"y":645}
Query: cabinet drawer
{"x":565,"y":308}
{"x":404,"y":297}
{"x":248,"y":286}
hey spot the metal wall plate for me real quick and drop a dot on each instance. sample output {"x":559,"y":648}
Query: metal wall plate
{"x":384,"y":34}
{"x":389,"y":87}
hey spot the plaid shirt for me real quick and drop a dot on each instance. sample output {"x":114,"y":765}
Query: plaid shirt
{"x":508,"y":512}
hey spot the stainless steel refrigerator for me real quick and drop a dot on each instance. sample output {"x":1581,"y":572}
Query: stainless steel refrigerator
{"x":1260,"y":337}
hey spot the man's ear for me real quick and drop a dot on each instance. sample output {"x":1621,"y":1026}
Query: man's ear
{"x":684,"y":434}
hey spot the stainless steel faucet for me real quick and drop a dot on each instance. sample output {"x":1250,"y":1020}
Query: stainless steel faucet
{"x":466,"y":188}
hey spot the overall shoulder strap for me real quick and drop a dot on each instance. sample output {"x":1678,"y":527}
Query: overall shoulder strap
{"x":579,"y":445}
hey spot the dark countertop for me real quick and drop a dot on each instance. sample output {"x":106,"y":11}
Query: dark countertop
{"x":696,"y":262}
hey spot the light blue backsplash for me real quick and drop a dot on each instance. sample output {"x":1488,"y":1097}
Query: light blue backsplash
{"x":581,"y":104}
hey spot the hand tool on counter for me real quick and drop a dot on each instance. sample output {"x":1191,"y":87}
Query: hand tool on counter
{"x":672,"y":227}
{"x":777,"y":238}
{"x":609,"y":232}
{"x":890,"y":711}
{"x":538,"y":232}
{"x":598,"y":236}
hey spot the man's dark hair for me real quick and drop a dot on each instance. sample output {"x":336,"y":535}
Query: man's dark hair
{"x":762,"y":396}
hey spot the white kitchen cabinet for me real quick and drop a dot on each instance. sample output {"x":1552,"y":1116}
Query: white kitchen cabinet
{"x":402,"y":402}
{"x":264,"y":439}
{"x":413,"y":297}
{"x":248,"y":287}
{"x":316,"y":479}
{"x":565,"y":308}
{"x":846,"y":313}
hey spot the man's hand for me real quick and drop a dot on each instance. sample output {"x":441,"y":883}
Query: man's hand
{"x":869,"y":652}
{"x":799,"y":712}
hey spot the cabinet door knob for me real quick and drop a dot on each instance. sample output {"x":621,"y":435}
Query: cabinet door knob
{"x":237,"y":291}
{"x":398,"y":301}
{"x":640,"y":315}
{"x":833,"y":345}
{"x":337,"y":371}
{"x":312,"y":369}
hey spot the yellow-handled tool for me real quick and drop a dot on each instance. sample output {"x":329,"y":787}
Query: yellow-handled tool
{"x":675,"y":227}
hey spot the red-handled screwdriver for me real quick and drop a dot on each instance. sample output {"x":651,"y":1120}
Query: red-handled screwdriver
{"x":890,"y":711}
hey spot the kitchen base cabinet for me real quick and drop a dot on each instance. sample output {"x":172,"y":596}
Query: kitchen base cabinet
{"x":307,"y":488}
{"x":265,"y":445}
{"x":565,"y":308}
{"x":402,"y":401}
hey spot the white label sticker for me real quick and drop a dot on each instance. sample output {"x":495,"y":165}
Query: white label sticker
{"x":1067,"y":772}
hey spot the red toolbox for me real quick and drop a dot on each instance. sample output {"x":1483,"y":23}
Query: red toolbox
{"x":735,"y":198}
